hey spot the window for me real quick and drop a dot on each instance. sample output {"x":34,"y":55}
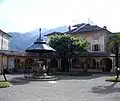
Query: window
{"x":96,"y":36}
{"x":96,"y":47}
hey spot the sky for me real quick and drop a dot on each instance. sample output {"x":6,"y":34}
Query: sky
{"x":26,"y":15}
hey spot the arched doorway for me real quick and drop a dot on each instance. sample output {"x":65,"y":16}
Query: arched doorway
{"x":17,"y":62}
{"x":90,"y":63}
{"x":44,"y":61}
{"x":75,"y":63}
{"x":29,"y":62}
{"x":17,"y":65}
{"x":53,"y":63}
{"x":106,"y":64}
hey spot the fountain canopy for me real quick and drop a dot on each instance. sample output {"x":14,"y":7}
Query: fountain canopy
{"x":39,"y":46}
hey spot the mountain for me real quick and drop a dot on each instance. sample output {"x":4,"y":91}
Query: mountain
{"x":20,"y":41}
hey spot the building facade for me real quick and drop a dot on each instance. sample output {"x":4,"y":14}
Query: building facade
{"x":17,"y":61}
{"x":4,"y":41}
{"x":100,"y":59}
{"x":4,"y":46}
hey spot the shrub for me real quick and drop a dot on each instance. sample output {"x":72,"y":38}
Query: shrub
{"x":4,"y":84}
{"x":113,"y":79}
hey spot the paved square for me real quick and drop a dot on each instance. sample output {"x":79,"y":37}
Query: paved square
{"x":67,"y":88}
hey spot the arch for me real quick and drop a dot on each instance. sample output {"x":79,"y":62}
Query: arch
{"x":17,"y":62}
{"x":44,"y":61}
{"x":91,"y":63}
{"x":106,"y":64}
{"x":29,"y":62}
{"x":75,"y":63}
{"x":53,"y":63}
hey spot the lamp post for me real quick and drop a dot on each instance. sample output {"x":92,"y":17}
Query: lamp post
{"x":117,"y":58}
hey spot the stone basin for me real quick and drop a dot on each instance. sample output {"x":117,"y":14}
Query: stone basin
{"x":40,"y":78}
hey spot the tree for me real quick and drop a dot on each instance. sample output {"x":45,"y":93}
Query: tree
{"x":113,"y":45}
{"x":67,"y":46}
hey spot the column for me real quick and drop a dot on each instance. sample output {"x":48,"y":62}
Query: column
{"x":113,"y":64}
{"x":97,"y":64}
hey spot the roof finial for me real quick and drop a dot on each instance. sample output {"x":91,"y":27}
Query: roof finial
{"x":39,"y":33}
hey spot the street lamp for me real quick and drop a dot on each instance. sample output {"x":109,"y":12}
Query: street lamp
{"x":117,"y":58}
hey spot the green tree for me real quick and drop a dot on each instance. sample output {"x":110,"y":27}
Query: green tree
{"x":113,"y":46}
{"x":67,"y":46}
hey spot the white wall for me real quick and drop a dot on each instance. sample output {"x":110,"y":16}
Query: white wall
{"x":99,"y":41}
{"x":89,"y":36}
{"x":5,"y":39}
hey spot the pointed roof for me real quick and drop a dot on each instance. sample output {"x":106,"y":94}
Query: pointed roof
{"x":39,"y":46}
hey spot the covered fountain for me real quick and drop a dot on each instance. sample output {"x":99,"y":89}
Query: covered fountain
{"x":39,"y":48}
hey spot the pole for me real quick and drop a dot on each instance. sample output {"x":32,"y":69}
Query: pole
{"x":117,"y":58}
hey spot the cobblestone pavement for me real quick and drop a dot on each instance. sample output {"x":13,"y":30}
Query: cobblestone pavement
{"x":67,"y":88}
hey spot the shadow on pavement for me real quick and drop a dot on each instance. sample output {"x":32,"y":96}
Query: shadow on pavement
{"x":83,"y":76}
{"x":106,"y":89}
{"x":78,"y":77}
{"x":18,"y":81}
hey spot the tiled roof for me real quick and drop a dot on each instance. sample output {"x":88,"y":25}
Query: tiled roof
{"x":12,"y":53}
{"x":81,"y":28}
{"x":5,"y":33}
{"x":102,"y":54}
{"x":86,"y":28}
{"x":97,"y":54}
{"x":53,"y":33}
{"x":39,"y":46}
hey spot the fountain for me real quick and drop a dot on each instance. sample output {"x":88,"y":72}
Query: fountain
{"x":40,"y":72}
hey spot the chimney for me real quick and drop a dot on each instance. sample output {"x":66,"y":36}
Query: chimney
{"x":69,"y":28}
{"x":104,"y":27}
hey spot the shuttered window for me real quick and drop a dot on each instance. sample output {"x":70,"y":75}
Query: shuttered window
{"x":96,"y":47}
